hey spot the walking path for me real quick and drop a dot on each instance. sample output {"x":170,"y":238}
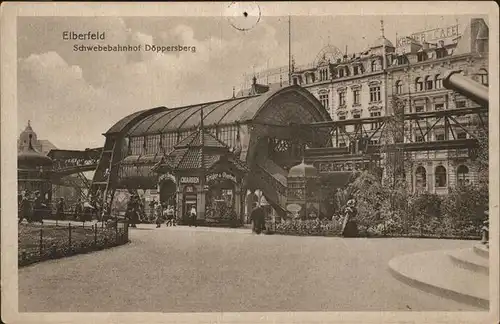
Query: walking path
{"x":183,"y":269}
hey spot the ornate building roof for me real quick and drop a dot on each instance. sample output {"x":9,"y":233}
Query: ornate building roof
{"x":224,"y":112}
{"x":200,"y":150}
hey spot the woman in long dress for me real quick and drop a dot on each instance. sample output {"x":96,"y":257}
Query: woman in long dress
{"x":350,"y":227}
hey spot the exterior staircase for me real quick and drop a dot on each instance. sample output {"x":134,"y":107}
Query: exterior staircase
{"x":461,"y":275}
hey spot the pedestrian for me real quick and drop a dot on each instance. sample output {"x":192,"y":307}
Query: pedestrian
{"x":350,"y":227}
{"x":60,"y":209}
{"x":159,"y":215}
{"x":26,"y":209}
{"x":258,"y":219}
{"x":78,"y":209}
{"x":170,"y":216}
{"x":192,"y":217}
{"x":38,"y":207}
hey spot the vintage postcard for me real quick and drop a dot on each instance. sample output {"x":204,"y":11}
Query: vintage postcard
{"x":250,"y":162}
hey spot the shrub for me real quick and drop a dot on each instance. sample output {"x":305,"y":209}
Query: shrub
{"x":463,"y":209}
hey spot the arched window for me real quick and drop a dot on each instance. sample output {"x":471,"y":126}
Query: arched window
{"x":462,"y":175}
{"x":483,"y":76}
{"x":399,"y":87}
{"x":419,"y":84}
{"x":428,"y":83}
{"x":374,"y":66}
{"x":440,"y":175}
{"x":438,"y":82}
{"x":420,"y":178}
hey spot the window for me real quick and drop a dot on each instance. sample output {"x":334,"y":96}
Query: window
{"x":341,"y":72}
{"x":419,"y":138}
{"x":341,"y":117}
{"x":440,"y":137}
{"x":228,"y":135}
{"x":420,"y":178}
{"x":342,"y":98}
{"x":356,"y":96}
{"x":324,"y":98}
{"x":441,"y":52}
{"x":374,"y":66}
{"x":375,"y":125}
{"x":440,"y":174}
{"x":323,"y":74}
{"x":356,"y":116}
{"x":428,"y":83}
{"x":402,"y":60}
{"x":419,"y":85}
{"x":461,"y":104}
{"x":438,"y":82}
{"x":483,"y":76}
{"x":462,"y":135}
{"x":422,"y":56}
{"x":399,"y":87}
{"x":439,"y":106}
{"x":374,"y":93}
{"x":295,"y":81}
{"x":462,"y":175}
{"x":419,"y":108}
{"x":356,"y":70}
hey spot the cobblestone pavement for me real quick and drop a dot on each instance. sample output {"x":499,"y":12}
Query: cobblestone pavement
{"x":184,"y":269}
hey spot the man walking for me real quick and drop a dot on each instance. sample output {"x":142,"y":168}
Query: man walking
{"x":258,"y":219}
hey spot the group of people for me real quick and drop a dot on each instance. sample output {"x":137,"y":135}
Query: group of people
{"x":31,"y":206}
{"x":164,"y":214}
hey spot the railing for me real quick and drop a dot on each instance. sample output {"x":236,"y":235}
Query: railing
{"x":279,"y":188}
{"x":54,"y":240}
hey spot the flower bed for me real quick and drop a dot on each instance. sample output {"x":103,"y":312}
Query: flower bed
{"x":39,"y":243}
{"x":309,"y":228}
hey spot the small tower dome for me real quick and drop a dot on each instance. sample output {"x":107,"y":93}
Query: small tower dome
{"x":30,"y":158}
{"x":382,"y":41}
{"x":303,"y":170}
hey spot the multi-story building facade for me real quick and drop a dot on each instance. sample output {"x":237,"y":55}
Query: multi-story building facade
{"x":363,"y":85}
{"x":415,"y":77}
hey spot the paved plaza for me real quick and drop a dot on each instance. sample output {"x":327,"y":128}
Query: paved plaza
{"x":184,"y":269}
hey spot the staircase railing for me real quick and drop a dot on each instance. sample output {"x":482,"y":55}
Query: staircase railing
{"x":275,"y":185}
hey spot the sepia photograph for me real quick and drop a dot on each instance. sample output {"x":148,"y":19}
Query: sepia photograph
{"x":250,"y":158}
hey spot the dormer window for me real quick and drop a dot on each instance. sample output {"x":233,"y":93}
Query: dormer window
{"x":356,"y":70}
{"x":441,"y":52}
{"x":422,"y":56}
{"x":374,"y":66}
{"x":341,"y":72}
{"x":402,"y":60}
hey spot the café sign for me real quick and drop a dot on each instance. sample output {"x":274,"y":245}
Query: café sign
{"x":221,"y":175}
{"x":193,"y":180}
{"x":432,"y":35}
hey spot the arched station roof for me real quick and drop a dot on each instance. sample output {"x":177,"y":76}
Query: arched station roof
{"x":224,"y":112}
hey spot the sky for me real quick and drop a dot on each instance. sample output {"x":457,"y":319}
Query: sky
{"x":73,"y":97}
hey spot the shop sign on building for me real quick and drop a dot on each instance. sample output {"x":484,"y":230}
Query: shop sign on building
{"x":433,"y":35}
{"x":186,"y":180}
{"x":221,"y":175}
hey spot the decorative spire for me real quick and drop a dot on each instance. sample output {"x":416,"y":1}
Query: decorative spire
{"x":30,"y":145}
{"x":382,"y":27}
{"x":234,"y":96}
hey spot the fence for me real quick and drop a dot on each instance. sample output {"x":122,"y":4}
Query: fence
{"x":43,"y":242}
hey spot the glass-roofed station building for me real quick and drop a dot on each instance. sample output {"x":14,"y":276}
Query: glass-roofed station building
{"x":209,"y":155}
